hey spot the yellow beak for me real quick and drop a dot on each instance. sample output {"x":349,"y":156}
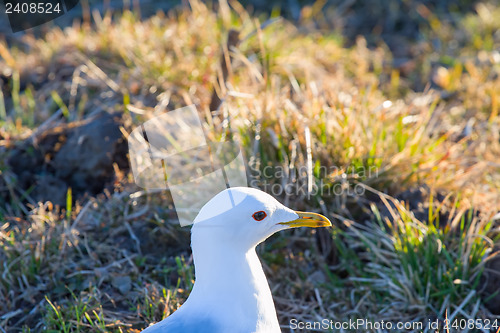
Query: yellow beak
{"x":311,"y":220}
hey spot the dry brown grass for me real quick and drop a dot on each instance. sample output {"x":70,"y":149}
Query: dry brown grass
{"x":121,"y":262}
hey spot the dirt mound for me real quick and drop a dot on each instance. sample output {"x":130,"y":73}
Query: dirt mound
{"x":79,"y":155}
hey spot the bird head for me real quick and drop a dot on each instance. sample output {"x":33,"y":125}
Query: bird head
{"x":246,"y":216}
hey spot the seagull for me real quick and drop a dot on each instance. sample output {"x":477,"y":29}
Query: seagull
{"x":231,"y":293}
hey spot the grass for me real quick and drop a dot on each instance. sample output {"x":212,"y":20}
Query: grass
{"x":421,"y":266}
{"x":344,"y":128}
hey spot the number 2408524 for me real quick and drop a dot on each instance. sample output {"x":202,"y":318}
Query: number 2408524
{"x":32,"y":8}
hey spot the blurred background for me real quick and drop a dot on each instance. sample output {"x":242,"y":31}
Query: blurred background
{"x":381,"y":115}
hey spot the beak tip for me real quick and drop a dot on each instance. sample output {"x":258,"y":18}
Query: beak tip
{"x":306,"y":219}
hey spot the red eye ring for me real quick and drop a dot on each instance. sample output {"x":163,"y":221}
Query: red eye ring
{"x":259,"y":216}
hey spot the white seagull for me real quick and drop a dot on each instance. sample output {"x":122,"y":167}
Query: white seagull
{"x":231,"y":293}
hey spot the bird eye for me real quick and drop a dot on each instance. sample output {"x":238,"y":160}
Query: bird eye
{"x":259,"y":216}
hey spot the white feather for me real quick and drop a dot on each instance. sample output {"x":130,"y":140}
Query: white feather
{"x":231,"y":293}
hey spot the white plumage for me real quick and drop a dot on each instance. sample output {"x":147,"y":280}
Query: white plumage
{"x":231,"y":293}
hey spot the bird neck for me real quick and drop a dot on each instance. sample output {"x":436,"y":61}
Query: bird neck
{"x":232,"y":277}
{"x":228,"y":267}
